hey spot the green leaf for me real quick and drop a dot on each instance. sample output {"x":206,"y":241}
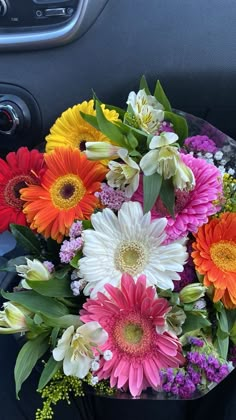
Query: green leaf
{"x":233,"y":334}
{"x":63,"y":321}
{"x":26,"y":238}
{"x":27,"y":359}
{"x":194,"y":322}
{"x":151,"y":189}
{"x":161,"y":96}
{"x":54,"y":335}
{"x":87,"y":224}
{"x":37,"y":303}
{"x":54,"y":287}
{"x":222,"y":340}
{"x":143,"y":85}
{"x":222,"y":346}
{"x":62,"y":274}
{"x":167,"y":195}
{"x":110,"y":130}
{"x":91,"y":119}
{"x":75,"y":261}
{"x":50,"y":368}
{"x":179,"y":123}
{"x":11,"y":264}
{"x":133,"y":142}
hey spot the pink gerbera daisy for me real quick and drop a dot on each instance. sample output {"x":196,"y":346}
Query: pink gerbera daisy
{"x":134,"y":318}
{"x":192,"y":208}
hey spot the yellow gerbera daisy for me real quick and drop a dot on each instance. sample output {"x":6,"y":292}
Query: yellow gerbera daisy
{"x":72,"y":130}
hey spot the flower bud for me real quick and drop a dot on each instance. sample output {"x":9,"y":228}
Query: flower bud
{"x":192,"y":292}
{"x":33,"y":270}
{"x":13,"y":318}
{"x":99,"y":150}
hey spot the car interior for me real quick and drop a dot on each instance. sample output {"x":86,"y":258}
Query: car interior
{"x":53,"y":53}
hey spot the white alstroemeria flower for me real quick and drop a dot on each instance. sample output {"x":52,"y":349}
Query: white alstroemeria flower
{"x":33,"y":270}
{"x":162,"y":158}
{"x":124,"y":176}
{"x":147,"y":110}
{"x":99,"y":150}
{"x":76,"y":348}
{"x":12,"y":318}
{"x":164,"y":139}
{"x":183,"y":178}
{"x":129,"y":243}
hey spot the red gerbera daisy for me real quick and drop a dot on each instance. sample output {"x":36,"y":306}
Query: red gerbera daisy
{"x":20,"y":169}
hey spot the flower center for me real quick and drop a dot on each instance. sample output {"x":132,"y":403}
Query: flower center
{"x":12,"y":190}
{"x":223,"y":254}
{"x":67,"y":191}
{"x":82,"y":147}
{"x":80,"y":346}
{"x":133,"y":334}
{"x":130,"y":257}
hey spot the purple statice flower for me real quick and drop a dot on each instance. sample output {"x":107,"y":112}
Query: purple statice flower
{"x":212,"y":361}
{"x":232,"y":355}
{"x":196,"y":341}
{"x":165,"y":127}
{"x":111,"y":198}
{"x":200,"y":304}
{"x":187,"y":389}
{"x":49,"y":266}
{"x":77,"y":286}
{"x":200,"y":144}
{"x":69,"y":249}
{"x":76,"y":229}
{"x":187,"y":276}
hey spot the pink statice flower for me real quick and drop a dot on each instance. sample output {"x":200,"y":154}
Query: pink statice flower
{"x":111,"y":198}
{"x":69,"y":249}
{"x":192,"y":208}
{"x":76,"y":229}
{"x":200,"y":144}
{"x":138,"y":339}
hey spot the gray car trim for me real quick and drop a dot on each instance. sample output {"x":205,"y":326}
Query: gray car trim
{"x":25,"y":38}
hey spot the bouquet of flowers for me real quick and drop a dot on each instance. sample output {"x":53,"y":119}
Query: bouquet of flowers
{"x":127,"y":282}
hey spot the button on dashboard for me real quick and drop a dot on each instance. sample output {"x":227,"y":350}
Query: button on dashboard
{"x":57,"y":11}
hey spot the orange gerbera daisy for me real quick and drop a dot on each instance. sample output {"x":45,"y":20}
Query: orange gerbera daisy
{"x":215,"y":257}
{"x":66,"y":193}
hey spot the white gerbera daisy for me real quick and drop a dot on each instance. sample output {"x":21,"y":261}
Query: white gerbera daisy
{"x":130,"y":243}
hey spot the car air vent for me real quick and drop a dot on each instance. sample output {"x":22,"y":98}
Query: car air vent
{"x":45,"y":23}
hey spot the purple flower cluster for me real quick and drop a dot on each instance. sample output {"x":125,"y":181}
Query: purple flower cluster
{"x":232,"y":355}
{"x":111,"y":198}
{"x":210,"y":366}
{"x":196,"y":341}
{"x":187,"y":276}
{"x":69,"y":249}
{"x":200,"y":144}
{"x":166,"y":127}
{"x":76,"y":229}
{"x":199,"y":372}
{"x":180,"y":382}
{"x":49,"y":266}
